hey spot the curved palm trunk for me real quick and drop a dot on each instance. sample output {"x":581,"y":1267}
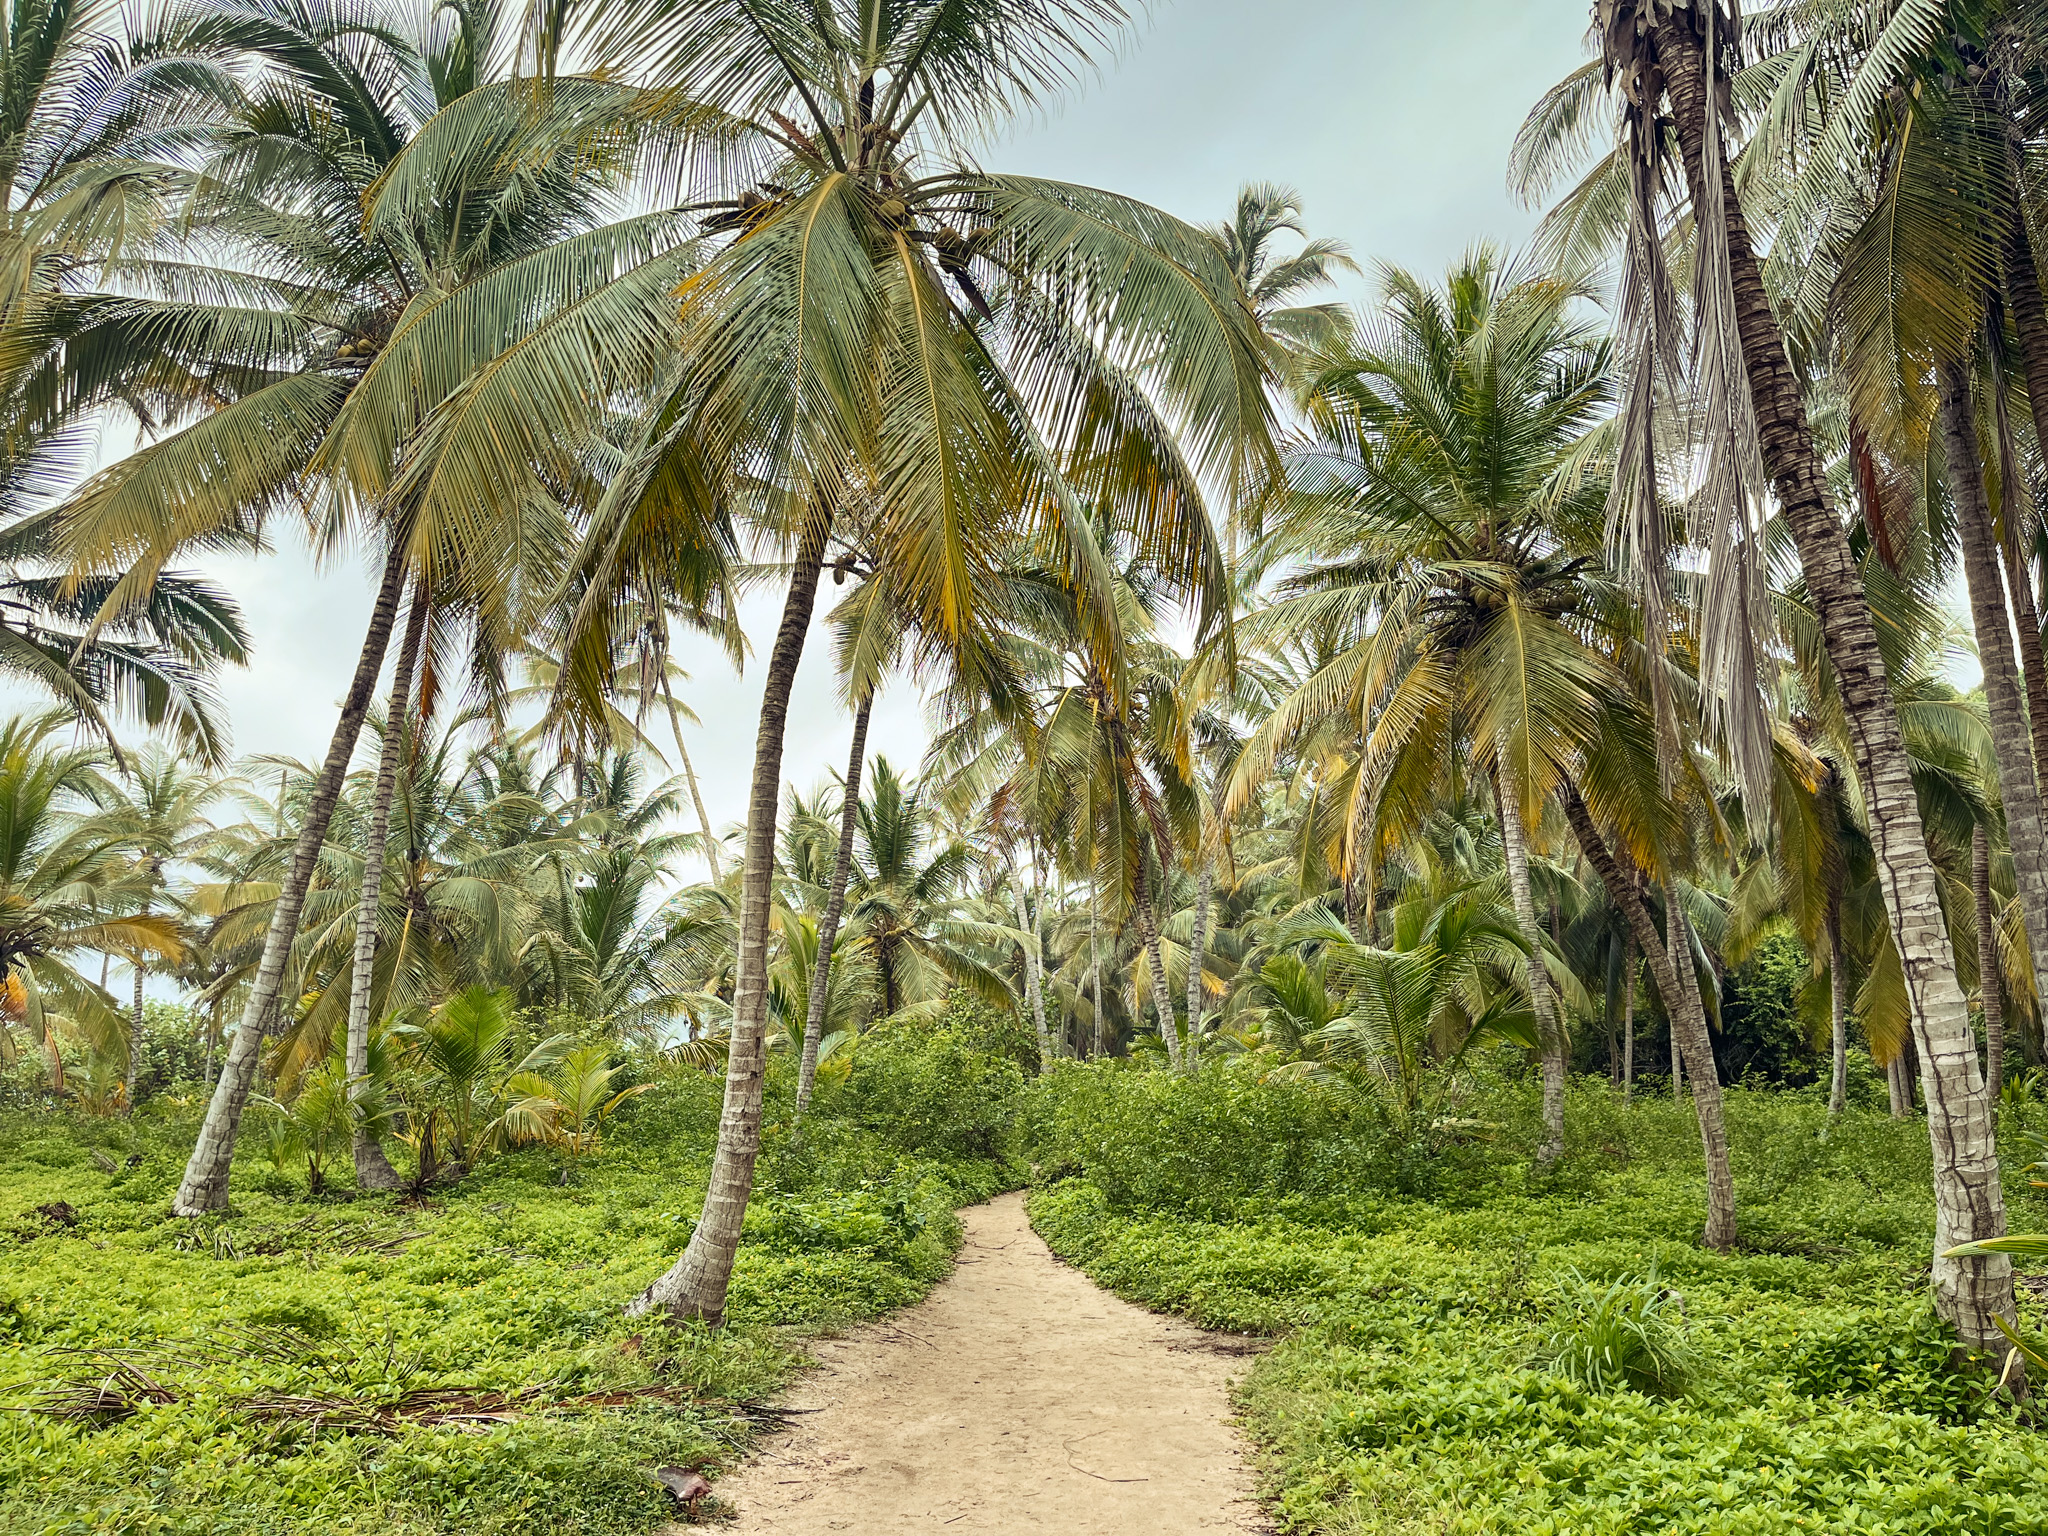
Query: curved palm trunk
{"x":2017,"y":780}
{"x":1838,"y":1012}
{"x":835,"y":905}
{"x":205,"y":1185}
{"x":1155,"y":964}
{"x":1990,"y":980}
{"x":373,"y":1168}
{"x":1969,"y":1200}
{"x":1682,"y":1000}
{"x":1549,"y":1037}
{"x":695,"y":1286}
{"x":1206,"y":889}
{"x":675,"y":725}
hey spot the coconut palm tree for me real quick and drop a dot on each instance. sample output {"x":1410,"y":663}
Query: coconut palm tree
{"x":887,"y":325}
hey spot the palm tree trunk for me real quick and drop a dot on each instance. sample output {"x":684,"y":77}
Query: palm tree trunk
{"x":1550,"y":1039}
{"x":1838,"y":1012}
{"x":1206,"y":889}
{"x":1034,"y":995}
{"x":675,"y":725}
{"x":695,"y":1286}
{"x":2017,"y":780}
{"x":1682,"y":1001}
{"x":1628,"y":1022}
{"x":205,"y":1185}
{"x":1969,"y":1199}
{"x":1990,"y":981}
{"x":373,"y":1168}
{"x":835,"y":904}
{"x":135,"y":1032}
{"x":1095,"y":950}
{"x":1155,"y":963}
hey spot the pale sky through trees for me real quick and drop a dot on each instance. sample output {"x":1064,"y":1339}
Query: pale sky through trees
{"x":1392,"y":117}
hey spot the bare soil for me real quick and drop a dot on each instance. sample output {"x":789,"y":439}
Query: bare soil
{"x":1017,"y":1397}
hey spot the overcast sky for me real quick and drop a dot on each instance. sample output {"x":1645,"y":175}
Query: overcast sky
{"x":1392,"y":117}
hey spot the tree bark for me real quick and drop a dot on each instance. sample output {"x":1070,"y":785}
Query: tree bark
{"x":1969,"y":1199}
{"x":373,"y":1168}
{"x":1030,"y":909}
{"x":1550,"y":1039}
{"x":205,"y":1185}
{"x":835,"y":905}
{"x":1095,"y":951}
{"x":1838,"y":1012}
{"x":1681,"y":1001}
{"x":1990,"y":979}
{"x":2018,"y":783}
{"x":695,"y":1286}
{"x":1155,"y":964}
{"x":1628,"y":1022}
{"x":1206,"y":890}
{"x":675,"y":725}
{"x":135,"y":1031}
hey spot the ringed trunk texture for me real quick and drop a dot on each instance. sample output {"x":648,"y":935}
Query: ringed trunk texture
{"x":695,"y":1286}
{"x":1628,"y":1027}
{"x":205,"y":1185}
{"x":1095,"y":952}
{"x":373,"y":1168}
{"x":1969,"y":1200}
{"x":1838,"y":1015}
{"x":1682,"y":1001}
{"x":1549,"y":1037}
{"x":1990,"y":979}
{"x":135,"y":1033}
{"x":2017,"y":781}
{"x":1196,"y":942}
{"x":835,"y":907}
{"x":1155,"y":965}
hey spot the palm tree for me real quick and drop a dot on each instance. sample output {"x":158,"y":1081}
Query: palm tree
{"x":1275,"y":284}
{"x":893,"y":327}
{"x":1670,"y":64}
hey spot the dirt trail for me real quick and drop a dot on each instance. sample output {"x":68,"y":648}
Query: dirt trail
{"x":1017,"y":1397}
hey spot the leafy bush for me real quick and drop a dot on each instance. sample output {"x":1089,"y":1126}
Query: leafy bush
{"x":932,"y":1089}
{"x":1631,"y":1334}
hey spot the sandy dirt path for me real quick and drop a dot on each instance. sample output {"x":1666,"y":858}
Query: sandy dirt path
{"x":1017,"y":1397}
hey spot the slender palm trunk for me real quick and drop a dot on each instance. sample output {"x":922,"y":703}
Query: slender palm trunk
{"x":1034,"y":996}
{"x":373,"y":1168}
{"x":205,"y":1185}
{"x":1196,"y":943}
{"x":695,"y":1286}
{"x":1155,"y":964}
{"x":1628,"y":1023}
{"x":835,"y":905}
{"x":1095,"y":951}
{"x":135,"y":1032}
{"x":1672,"y":969}
{"x":675,"y":725}
{"x":1990,"y":980}
{"x":1550,"y":1038}
{"x":1969,"y":1199}
{"x":1838,"y":1011}
{"x":2017,"y":780}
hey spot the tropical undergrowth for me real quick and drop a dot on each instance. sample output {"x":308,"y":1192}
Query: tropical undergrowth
{"x":1466,"y":1345}
{"x":461,"y":1362}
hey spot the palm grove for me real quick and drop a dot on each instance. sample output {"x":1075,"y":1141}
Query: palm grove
{"x":1314,"y":693}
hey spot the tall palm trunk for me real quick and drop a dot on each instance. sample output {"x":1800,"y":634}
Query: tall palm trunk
{"x":1628,"y":1022}
{"x":1095,"y":951}
{"x":835,"y":905}
{"x":373,"y":1168}
{"x":1969,"y":1200}
{"x":1155,"y":963}
{"x":205,"y":1185}
{"x":675,"y":725}
{"x":1034,"y":994}
{"x":1549,"y":1037}
{"x":2018,"y":783}
{"x":1197,"y":941}
{"x":1990,"y":980}
{"x":695,"y":1286}
{"x":1682,"y":1001}
{"x":135,"y":1031}
{"x":1838,"y":1011}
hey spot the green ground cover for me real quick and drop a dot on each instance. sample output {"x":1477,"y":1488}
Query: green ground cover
{"x":321,"y":1312}
{"x":1419,"y":1294}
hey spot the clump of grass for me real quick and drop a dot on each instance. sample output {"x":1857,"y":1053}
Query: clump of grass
{"x":1630,"y":1334}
